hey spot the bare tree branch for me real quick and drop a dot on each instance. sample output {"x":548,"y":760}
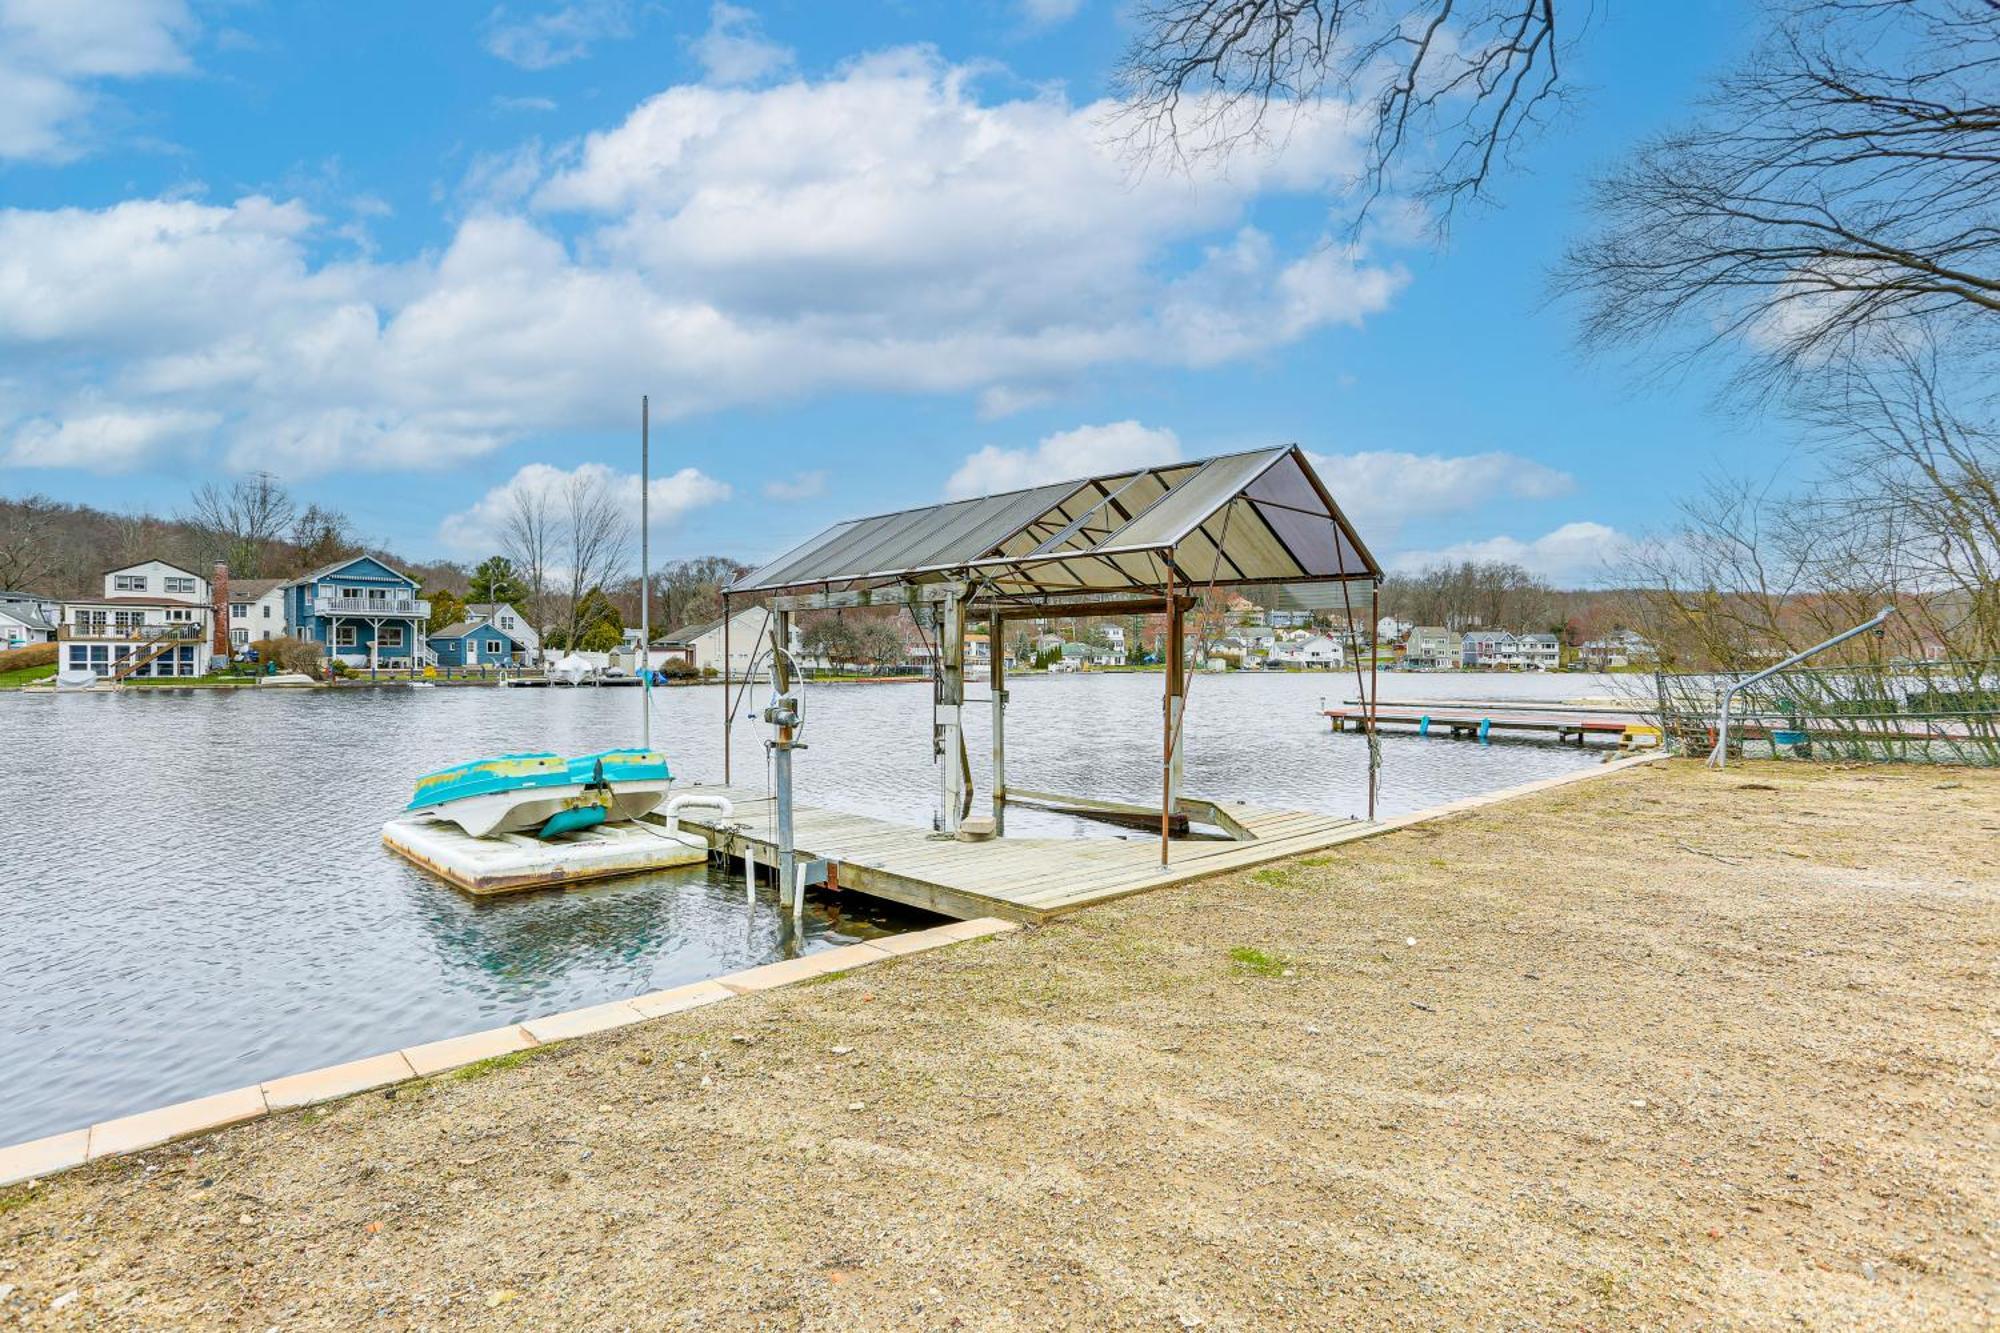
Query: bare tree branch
{"x":1454,"y":83}
{"x":1843,"y":184}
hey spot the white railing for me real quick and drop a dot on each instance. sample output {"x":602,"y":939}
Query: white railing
{"x":371,"y":606}
{"x":112,"y":632}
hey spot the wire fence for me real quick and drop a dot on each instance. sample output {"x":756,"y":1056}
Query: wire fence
{"x":1900,"y":712}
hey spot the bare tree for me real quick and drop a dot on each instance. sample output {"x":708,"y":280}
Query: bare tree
{"x":1922,"y":479}
{"x":243,"y":520}
{"x":321,"y":536}
{"x":1468,"y":594}
{"x":596,"y":535}
{"x":528,"y":537}
{"x":688,"y":592}
{"x":1457,"y":81}
{"x":27,"y":537}
{"x":1840,"y":185}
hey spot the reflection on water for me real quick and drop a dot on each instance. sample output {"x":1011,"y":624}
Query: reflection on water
{"x":198,"y":898}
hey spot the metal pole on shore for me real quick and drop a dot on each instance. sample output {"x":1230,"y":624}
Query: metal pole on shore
{"x":1374,"y":693}
{"x":725,"y":687}
{"x":645,"y":574}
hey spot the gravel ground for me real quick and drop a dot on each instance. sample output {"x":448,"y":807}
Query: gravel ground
{"x":1672,"y":1049}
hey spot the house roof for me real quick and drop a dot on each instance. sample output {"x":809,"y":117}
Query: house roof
{"x":339,"y":565}
{"x":1258,"y":518}
{"x":149,"y":560}
{"x":249,"y":590}
{"x":458,"y":629}
{"x":687,"y":633}
{"x":134,"y":599}
{"x":490,"y":608}
{"x":26,"y":609}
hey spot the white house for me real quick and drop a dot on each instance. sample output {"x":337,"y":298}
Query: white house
{"x":516,"y":626}
{"x":1621,"y":648}
{"x":26,"y":618}
{"x":1090,"y":655}
{"x":1317,"y":652}
{"x":256,"y":611}
{"x":1540,"y":652}
{"x":749,"y":638}
{"x":154,"y":619}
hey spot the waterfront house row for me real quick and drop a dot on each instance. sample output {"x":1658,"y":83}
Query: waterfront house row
{"x":156,"y":618}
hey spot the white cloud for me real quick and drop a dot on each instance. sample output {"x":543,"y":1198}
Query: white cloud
{"x":111,"y":441}
{"x":1381,"y":489}
{"x":53,"y":52}
{"x":1004,"y":400}
{"x":734,"y":49}
{"x":477,"y":530}
{"x":503,"y":103}
{"x":1083,"y":452}
{"x":804,"y":486}
{"x":882,"y":230}
{"x":1573,"y":554}
{"x":1047,"y":13}
{"x":556,"y":36}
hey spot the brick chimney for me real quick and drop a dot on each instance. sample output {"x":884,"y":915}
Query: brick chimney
{"x":218,"y":592}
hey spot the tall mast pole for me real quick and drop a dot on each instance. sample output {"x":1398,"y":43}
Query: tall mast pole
{"x":645,"y":572}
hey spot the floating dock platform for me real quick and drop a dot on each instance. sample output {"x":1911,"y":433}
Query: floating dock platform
{"x":515,"y":863}
{"x":1018,"y":879}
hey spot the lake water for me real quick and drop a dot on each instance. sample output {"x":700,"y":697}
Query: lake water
{"x":197,"y":896}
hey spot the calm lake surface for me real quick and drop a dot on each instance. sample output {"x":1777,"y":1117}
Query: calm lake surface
{"x":197,"y":897}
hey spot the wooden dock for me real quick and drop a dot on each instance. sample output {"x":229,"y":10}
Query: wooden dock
{"x":1567,"y":727}
{"x":1019,"y":879}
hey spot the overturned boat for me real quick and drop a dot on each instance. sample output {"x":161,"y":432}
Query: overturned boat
{"x":544,"y":795}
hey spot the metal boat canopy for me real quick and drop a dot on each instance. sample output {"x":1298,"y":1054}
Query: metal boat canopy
{"x":1257,"y":519}
{"x":1148,"y":539}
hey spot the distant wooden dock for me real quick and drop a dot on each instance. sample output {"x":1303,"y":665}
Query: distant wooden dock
{"x":1019,"y":879}
{"x":1568,"y":725}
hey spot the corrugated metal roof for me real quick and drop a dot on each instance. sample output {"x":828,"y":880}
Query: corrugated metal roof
{"x":1250,"y":518}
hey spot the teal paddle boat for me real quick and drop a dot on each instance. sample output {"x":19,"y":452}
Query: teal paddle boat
{"x":544,"y":794}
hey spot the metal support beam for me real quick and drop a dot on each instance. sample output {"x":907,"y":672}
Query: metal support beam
{"x":789,"y":893}
{"x":892,"y":596}
{"x":1172,"y":705}
{"x":950,"y":709}
{"x":727,"y":701}
{"x":996,"y":629}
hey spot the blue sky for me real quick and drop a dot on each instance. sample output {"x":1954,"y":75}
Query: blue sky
{"x":862,"y":255}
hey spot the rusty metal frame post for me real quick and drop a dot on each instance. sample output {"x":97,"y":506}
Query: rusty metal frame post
{"x":996,"y":686}
{"x":1374,"y":693}
{"x":1170,"y":711}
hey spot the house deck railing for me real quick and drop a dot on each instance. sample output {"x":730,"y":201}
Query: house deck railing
{"x":131,"y":633}
{"x":403,"y":607}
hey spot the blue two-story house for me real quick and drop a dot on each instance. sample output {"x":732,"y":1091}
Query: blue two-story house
{"x":362,"y":612}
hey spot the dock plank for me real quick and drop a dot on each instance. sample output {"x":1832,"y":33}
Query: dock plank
{"x":1023,"y":879}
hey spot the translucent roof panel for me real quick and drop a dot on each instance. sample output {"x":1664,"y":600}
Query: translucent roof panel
{"x":1252,"y":518}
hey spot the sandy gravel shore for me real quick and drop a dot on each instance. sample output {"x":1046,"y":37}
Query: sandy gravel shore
{"x":1671,"y":1049}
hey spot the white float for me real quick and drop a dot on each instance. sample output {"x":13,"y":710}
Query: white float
{"x":515,"y":862}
